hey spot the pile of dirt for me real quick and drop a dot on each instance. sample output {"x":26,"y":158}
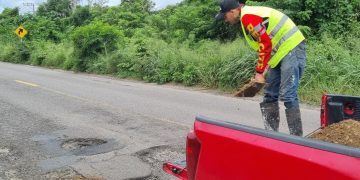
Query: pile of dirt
{"x":345,"y":132}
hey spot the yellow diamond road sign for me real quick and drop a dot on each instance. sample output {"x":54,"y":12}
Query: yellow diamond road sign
{"x":21,"y":32}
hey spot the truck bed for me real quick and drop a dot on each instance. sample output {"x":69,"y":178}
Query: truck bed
{"x":218,"y":150}
{"x":234,"y":151}
{"x":223,"y":150}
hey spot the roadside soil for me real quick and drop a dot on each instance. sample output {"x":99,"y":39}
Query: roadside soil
{"x":345,"y":132}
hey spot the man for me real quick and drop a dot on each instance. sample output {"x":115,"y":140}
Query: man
{"x":282,"y":55}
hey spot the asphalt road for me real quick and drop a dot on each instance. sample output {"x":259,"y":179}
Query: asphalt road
{"x":61,"y":125}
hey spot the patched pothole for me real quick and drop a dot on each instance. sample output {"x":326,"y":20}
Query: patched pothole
{"x":80,"y":143}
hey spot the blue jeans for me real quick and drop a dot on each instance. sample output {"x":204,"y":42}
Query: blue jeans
{"x":283,"y":80}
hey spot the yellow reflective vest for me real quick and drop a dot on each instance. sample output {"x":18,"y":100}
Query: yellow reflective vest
{"x":283,"y":32}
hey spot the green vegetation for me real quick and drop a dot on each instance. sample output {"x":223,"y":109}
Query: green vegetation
{"x":182,"y":43}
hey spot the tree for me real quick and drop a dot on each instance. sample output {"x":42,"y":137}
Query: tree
{"x":42,"y":29}
{"x":9,"y":21}
{"x":137,"y":6}
{"x":55,"y":8}
{"x":128,"y":16}
{"x":9,"y":12}
{"x":101,"y":3}
{"x":81,"y":16}
{"x":193,"y":20}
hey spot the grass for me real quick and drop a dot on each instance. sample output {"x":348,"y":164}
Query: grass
{"x":332,"y":68}
{"x":48,"y":54}
{"x":333,"y":64}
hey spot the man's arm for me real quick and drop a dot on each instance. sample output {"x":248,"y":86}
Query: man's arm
{"x":256,"y":27}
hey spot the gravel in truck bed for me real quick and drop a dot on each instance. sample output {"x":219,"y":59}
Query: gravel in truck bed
{"x":346,"y":132}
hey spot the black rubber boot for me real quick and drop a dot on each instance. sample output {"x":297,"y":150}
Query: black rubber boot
{"x":293,"y":118}
{"x":270,"y":115}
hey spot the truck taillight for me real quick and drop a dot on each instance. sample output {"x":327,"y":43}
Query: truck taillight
{"x":323,"y":113}
{"x":349,"y":109}
{"x":192,"y":154}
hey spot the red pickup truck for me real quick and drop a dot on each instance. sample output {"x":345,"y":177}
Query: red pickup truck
{"x":225,"y":151}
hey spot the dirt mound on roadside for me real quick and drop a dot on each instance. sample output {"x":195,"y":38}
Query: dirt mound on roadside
{"x":345,"y":132}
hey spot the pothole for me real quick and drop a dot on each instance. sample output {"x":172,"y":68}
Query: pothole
{"x":81,"y":143}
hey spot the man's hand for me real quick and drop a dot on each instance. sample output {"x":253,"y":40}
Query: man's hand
{"x":254,"y":86}
{"x":259,"y":78}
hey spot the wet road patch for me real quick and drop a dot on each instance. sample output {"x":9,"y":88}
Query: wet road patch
{"x":81,"y":143}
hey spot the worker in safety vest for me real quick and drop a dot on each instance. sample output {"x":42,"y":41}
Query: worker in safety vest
{"x":282,"y":56}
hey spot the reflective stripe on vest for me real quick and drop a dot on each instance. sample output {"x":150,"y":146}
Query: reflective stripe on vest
{"x":284,"y":34}
{"x":278,"y":26}
{"x":283,"y":39}
{"x":261,"y":25}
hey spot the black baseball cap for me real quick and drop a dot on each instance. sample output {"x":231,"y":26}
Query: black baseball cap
{"x":226,"y":6}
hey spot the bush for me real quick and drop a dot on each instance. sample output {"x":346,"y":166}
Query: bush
{"x":8,"y":52}
{"x":107,"y":64}
{"x":93,"y":40}
{"x":49,"y":54}
{"x":15,"y":53}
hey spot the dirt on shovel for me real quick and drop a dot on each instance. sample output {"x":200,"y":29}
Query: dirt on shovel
{"x":346,"y":132}
{"x":250,"y":89}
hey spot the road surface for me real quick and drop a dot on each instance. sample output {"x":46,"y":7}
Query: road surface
{"x":58,"y":124}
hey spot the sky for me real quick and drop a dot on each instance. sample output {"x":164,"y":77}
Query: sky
{"x":159,"y":4}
